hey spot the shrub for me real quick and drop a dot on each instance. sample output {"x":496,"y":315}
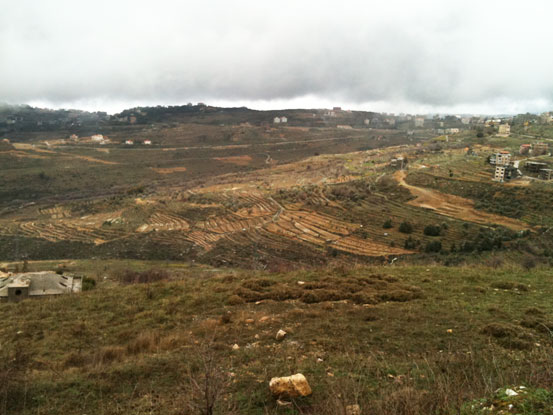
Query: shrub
{"x":387,"y":224}
{"x":410,"y":243}
{"x":235,"y":300}
{"x":88,"y":283}
{"x":432,"y":230}
{"x":135,"y":277}
{"x":405,"y":227}
{"x":528,"y":262}
{"x":434,"y":246}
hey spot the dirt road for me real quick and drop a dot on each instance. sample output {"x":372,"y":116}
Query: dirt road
{"x":455,"y":206}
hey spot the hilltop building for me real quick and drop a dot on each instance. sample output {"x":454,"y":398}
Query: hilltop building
{"x":97,"y":137}
{"x":504,"y":130}
{"x":525,"y":148}
{"x":419,"y":122}
{"x":501,"y":158}
{"x":17,"y":287}
{"x":129,"y":142}
{"x":546,"y":174}
{"x":535,"y":166}
{"x":279,"y":120}
{"x":504,"y":173}
{"x":540,"y":148}
{"x":148,"y":142}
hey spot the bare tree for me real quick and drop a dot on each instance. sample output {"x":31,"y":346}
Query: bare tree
{"x":206,"y":381}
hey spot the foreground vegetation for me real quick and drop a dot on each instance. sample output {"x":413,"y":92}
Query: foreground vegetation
{"x":395,"y":340}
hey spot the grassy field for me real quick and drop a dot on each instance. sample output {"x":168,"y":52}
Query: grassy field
{"x":395,"y":340}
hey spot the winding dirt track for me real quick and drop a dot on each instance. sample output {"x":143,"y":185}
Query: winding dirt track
{"x":455,"y":206}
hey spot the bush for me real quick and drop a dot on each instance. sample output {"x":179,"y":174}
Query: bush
{"x":434,"y":246}
{"x":135,"y":277}
{"x":410,"y":243}
{"x":405,"y":227}
{"x":88,"y":283}
{"x":432,"y":230}
{"x":387,"y":224}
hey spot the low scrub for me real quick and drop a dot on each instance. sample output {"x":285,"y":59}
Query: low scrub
{"x":137,"y":277}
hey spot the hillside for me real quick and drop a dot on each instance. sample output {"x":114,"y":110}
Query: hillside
{"x":406,"y":280}
{"x":394,"y":340}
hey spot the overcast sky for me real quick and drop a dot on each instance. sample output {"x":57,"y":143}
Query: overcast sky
{"x":394,"y":56}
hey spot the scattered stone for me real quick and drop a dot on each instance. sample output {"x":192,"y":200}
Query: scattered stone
{"x":263,"y":319}
{"x":319,"y":360}
{"x":256,"y":337}
{"x":301,"y":282}
{"x":510,"y":392}
{"x":283,"y":403}
{"x":353,"y":410}
{"x":235,"y":347}
{"x":281,"y":334}
{"x":249,"y":321}
{"x":290,"y":386}
{"x":450,"y":331}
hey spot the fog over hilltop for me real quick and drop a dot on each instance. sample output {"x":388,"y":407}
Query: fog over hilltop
{"x":428,"y":56}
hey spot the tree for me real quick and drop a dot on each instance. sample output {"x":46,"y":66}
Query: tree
{"x":432,"y":230}
{"x":405,"y":227}
{"x":434,"y":246}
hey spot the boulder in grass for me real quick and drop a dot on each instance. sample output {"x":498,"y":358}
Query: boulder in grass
{"x":290,"y":386}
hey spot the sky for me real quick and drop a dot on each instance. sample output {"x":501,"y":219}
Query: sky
{"x":424,"y":56}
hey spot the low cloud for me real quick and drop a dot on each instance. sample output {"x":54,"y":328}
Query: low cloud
{"x":429,"y":55}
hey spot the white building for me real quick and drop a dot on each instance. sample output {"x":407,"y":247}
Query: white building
{"x":276,"y":120}
{"x":504,"y":130}
{"x":503,"y":158}
{"x":97,"y":137}
{"x":148,"y":142}
{"x":499,"y":175}
{"x":419,"y":122}
{"x":129,"y":142}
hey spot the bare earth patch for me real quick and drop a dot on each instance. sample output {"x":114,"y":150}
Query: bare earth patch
{"x":455,"y":206}
{"x":238,"y":160}
{"x":169,"y":170}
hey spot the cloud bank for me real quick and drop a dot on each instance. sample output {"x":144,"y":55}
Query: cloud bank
{"x":425,"y":56}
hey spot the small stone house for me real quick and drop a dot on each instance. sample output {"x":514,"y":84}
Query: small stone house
{"x":17,"y":287}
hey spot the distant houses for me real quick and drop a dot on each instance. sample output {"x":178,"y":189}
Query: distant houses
{"x":525,"y":149}
{"x":504,"y":130}
{"x":280,"y":120}
{"x":539,"y":149}
{"x":505,"y":172}
{"x":540,"y":169}
{"x":419,"y":122}
{"x":147,"y":142}
{"x":129,"y":142}
{"x":344,"y":127}
{"x":501,"y":158}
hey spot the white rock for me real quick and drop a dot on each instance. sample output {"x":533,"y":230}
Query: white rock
{"x":290,"y":386}
{"x":235,"y":347}
{"x":353,"y":410}
{"x":281,"y":334}
{"x":510,"y":392}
